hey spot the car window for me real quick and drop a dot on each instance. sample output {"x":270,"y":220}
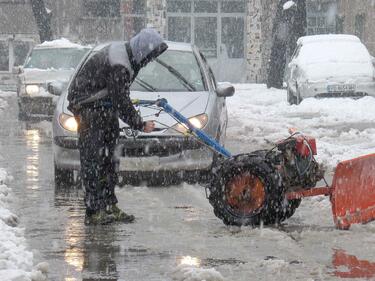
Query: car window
{"x":55,"y":58}
{"x":172,"y":71}
{"x":211,"y":75}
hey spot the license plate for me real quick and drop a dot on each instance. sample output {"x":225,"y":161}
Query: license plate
{"x":341,"y":88}
{"x":138,"y":163}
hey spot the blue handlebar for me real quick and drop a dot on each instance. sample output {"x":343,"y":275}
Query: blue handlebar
{"x":206,"y":139}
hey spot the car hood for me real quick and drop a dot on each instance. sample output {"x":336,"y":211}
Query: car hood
{"x":41,"y":76}
{"x":339,"y":71}
{"x":188,"y":104}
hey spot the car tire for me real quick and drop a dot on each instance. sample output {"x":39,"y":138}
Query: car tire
{"x":63,"y":177}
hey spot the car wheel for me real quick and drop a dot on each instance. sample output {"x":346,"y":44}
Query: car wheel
{"x":63,"y":177}
{"x":291,"y":98}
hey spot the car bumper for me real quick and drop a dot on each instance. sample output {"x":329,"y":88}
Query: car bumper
{"x":319,"y":90}
{"x":37,"y":106}
{"x":158,"y":155}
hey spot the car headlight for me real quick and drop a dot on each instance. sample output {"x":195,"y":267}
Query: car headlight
{"x":32,"y":90}
{"x":198,"y":122}
{"x":68,"y":122}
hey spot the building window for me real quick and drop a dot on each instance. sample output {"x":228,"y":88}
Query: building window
{"x":134,"y":17}
{"x":181,"y":31}
{"x":321,"y":17}
{"x":216,"y":27}
{"x":101,"y":8}
{"x":359,"y":26}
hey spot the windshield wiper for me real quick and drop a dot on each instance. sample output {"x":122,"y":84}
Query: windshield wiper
{"x":178,"y":75}
{"x":145,"y":85}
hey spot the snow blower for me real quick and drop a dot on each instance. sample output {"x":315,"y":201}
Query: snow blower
{"x":266,"y":186}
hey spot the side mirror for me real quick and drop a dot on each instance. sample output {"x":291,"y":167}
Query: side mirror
{"x":225,"y":90}
{"x":17,"y":70}
{"x":55,"y":88}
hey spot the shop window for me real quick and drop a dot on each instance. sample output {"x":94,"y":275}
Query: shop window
{"x":179,"y":29}
{"x":232,"y":36}
{"x":205,"y":7}
{"x":101,"y":8}
{"x":4,"y":56}
{"x":233,"y":7}
{"x":174,"y":6}
{"x":205,"y":35}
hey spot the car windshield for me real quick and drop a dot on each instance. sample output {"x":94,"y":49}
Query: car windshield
{"x":55,"y":58}
{"x":173,"y":71}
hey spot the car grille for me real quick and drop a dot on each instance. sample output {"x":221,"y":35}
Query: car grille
{"x":161,"y":147}
{"x":342,"y":95}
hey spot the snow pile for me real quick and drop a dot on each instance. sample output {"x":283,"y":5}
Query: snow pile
{"x":289,"y":5}
{"x":344,"y":128}
{"x":16,"y":262}
{"x":186,"y":272}
{"x":60,"y":43}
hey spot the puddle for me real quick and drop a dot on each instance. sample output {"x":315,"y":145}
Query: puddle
{"x":349,"y":266}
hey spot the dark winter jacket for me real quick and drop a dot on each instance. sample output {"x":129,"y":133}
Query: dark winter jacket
{"x":104,"y":78}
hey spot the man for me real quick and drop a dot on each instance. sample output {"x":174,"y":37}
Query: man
{"x":98,"y":96}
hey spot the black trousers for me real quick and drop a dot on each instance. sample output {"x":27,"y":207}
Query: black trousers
{"x":98,"y":134}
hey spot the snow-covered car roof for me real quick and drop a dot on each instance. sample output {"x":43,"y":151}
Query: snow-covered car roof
{"x":59,"y":43}
{"x":327,"y":38}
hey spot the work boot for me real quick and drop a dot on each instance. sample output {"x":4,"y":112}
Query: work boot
{"x":120,"y":215}
{"x":99,"y":218}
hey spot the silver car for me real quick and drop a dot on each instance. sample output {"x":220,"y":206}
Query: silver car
{"x":168,"y":154}
{"x":50,"y":62}
{"x":325,"y":66}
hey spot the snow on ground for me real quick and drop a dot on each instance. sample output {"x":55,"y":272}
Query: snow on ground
{"x":16,"y":262}
{"x":344,"y":128}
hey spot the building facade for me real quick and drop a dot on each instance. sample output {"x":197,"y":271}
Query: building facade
{"x":235,"y":35}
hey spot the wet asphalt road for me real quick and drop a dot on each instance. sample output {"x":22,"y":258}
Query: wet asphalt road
{"x":173,"y":225}
{"x":54,"y":219}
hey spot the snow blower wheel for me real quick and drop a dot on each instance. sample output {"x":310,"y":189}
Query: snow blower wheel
{"x":246,"y":190}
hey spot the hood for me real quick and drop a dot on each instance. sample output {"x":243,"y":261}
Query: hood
{"x":41,"y":76}
{"x":189,"y":104}
{"x":146,"y":46}
{"x":337,"y":71}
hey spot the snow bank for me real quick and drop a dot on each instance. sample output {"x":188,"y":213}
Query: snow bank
{"x":60,"y":43}
{"x":186,"y":272}
{"x":344,"y":128}
{"x":16,"y":262}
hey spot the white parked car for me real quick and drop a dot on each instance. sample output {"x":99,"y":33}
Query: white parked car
{"x":329,"y":66}
{"x":49,"y":62}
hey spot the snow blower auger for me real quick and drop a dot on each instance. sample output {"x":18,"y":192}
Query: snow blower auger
{"x":267,"y":186}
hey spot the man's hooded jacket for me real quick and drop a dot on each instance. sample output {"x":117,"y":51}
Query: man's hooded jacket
{"x":104,"y":78}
